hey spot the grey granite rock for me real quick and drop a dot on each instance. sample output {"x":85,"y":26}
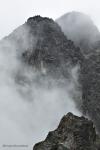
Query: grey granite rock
{"x":73,"y":133}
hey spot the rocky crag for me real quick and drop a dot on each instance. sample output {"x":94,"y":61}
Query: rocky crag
{"x":73,"y":133}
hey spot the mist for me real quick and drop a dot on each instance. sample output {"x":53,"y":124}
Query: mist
{"x":30,"y":104}
{"x":81,"y":29}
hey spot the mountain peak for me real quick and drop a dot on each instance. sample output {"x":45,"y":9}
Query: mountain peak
{"x":38,"y":18}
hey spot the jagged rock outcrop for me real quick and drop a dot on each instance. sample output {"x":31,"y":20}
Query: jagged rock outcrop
{"x":73,"y":133}
{"x":80,"y":28}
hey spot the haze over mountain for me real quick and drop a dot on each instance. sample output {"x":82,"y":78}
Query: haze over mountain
{"x":81,"y":29}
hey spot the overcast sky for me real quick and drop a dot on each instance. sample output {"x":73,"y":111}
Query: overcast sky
{"x":15,"y":12}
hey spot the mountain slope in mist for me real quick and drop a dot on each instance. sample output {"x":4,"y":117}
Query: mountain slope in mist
{"x":80,"y":28}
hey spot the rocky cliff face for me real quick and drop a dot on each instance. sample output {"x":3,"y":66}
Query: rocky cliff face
{"x":73,"y":133}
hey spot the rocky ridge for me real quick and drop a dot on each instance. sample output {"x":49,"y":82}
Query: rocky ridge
{"x":73,"y":133}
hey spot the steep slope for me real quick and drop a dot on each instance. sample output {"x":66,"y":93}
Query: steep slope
{"x":80,"y":28}
{"x":73,"y":133}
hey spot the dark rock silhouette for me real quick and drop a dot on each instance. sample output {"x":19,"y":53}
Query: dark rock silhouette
{"x":73,"y":133}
